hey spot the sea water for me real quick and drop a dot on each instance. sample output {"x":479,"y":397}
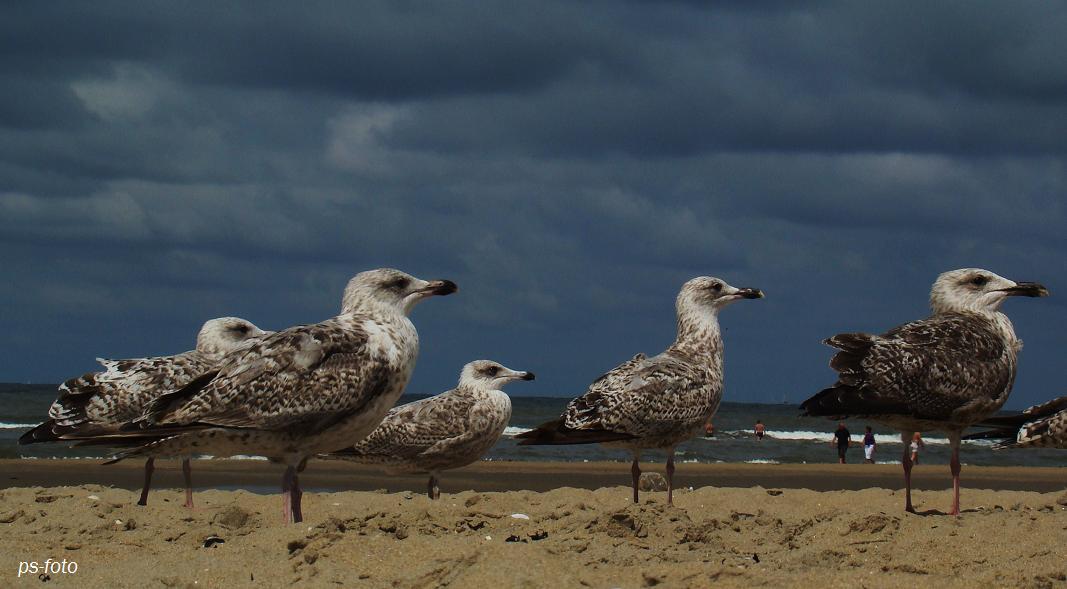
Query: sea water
{"x":790,"y":439}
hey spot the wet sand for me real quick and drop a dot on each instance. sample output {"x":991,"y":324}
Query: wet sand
{"x":789,"y":525}
{"x":263,"y":477}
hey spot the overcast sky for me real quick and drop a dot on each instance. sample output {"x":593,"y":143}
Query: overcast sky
{"x":568,"y":164}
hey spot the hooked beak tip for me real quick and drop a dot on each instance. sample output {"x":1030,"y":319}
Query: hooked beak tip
{"x":441,"y":287}
{"x":1027,"y":289}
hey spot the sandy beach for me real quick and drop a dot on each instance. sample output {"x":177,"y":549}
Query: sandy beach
{"x":795,"y":525}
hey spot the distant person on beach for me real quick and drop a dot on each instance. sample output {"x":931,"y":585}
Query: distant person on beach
{"x":760,"y":430}
{"x":868,"y":446}
{"x":843,"y":439}
{"x":916,"y":445}
{"x":709,"y":429}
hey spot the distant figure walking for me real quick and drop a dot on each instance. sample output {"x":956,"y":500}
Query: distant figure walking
{"x":843,"y":439}
{"x":916,"y":445}
{"x":868,"y":446}
{"x":760,"y":430}
{"x":709,"y":429}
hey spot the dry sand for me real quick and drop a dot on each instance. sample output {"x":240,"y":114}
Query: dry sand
{"x":733,"y":536}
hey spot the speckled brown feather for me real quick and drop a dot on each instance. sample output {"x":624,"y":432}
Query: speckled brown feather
{"x":954,"y":368}
{"x":446,"y":431}
{"x":277,"y":383}
{"x":99,"y":403}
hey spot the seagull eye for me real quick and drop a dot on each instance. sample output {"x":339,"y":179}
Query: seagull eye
{"x":492,"y":370}
{"x":716,"y":286}
{"x":241,"y":329}
{"x":398,"y":283}
{"x":979,"y":280}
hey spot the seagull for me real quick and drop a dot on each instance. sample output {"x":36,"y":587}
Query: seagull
{"x":1041,"y":426}
{"x":658,"y":402}
{"x":92,"y":407}
{"x":304,"y":390}
{"x":443,"y":432}
{"x":946,"y":372}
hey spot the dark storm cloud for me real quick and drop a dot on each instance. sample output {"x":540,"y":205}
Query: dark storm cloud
{"x":569,"y":164}
{"x":376,"y":50}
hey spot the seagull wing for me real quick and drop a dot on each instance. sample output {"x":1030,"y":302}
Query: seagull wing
{"x":637,"y":398}
{"x":643,"y":395}
{"x":1043,"y":425}
{"x":307,"y":376}
{"x":943,"y":368}
{"x":410,"y":430}
{"x":97,"y":403}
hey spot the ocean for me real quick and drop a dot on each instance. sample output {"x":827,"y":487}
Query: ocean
{"x":790,"y":439}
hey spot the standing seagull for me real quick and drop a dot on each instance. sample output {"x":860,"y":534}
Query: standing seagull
{"x":656,"y":402}
{"x":92,"y":407}
{"x":1042,"y":426}
{"x":946,"y":372}
{"x":447,"y":431}
{"x":304,"y":390}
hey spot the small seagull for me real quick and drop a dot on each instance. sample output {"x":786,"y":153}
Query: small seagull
{"x":657,"y":402}
{"x":946,"y":372}
{"x":443,"y":432}
{"x":91,"y":408}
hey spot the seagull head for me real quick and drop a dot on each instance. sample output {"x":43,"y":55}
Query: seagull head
{"x":489,"y":374}
{"x":387,"y":289}
{"x":220,"y":336}
{"x":978,"y":290}
{"x":711,"y":294}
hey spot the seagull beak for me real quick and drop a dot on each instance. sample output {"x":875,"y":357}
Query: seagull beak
{"x":749,"y":293}
{"x":1026,"y":289}
{"x":438,"y":288}
{"x":526,"y":375}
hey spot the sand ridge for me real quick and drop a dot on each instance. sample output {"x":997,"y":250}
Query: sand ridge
{"x":573,"y":538}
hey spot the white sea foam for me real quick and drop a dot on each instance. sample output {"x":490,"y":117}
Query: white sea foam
{"x":204,"y":457}
{"x":24,"y":457}
{"x":798,"y":435}
{"x":761,"y":461}
{"x":4,"y":425}
{"x":234,"y":457}
{"x":806,"y":435}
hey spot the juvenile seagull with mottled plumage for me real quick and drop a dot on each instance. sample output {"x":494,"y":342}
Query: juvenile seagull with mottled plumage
{"x":445,"y":431}
{"x":91,"y":408}
{"x":304,"y":390}
{"x":946,"y":372}
{"x":1041,"y":426}
{"x":657,"y":402}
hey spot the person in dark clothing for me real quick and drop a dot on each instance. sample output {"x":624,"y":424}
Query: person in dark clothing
{"x":843,"y":439}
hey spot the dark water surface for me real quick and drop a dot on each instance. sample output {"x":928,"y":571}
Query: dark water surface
{"x":790,"y":438}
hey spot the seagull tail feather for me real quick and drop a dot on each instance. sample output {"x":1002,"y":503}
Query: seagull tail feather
{"x":845,"y":400}
{"x":556,"y":433}
{"x":148,"y":444}
{"x":41,"y":433}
